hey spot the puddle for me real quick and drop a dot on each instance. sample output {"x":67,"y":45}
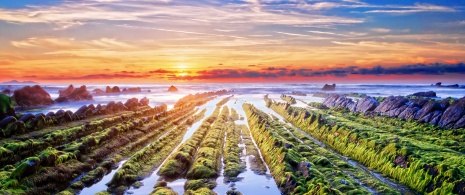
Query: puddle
{"x":150,"y":181}
{"x":102,"y":184}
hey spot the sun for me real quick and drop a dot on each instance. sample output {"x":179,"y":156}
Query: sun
{"x":182,"y":66}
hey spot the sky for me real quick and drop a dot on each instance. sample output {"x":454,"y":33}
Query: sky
{"x":148,"y":41}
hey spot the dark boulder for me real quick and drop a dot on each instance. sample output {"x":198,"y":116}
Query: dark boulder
{"x":366,"y":104}
{"x":32,"y":96}
{"x":424,"y":94}
{"x":27,"y":117}
{"x":82,"y":113}
{"x":453,"y":114}
{"x":10,"y":126}
{"x":7,"y":121}
{"x":173,"y":88}
{"x":63,"y":116}
{"x":72,"y":94}
{"x":329,"y":87}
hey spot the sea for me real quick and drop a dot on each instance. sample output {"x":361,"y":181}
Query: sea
{"x":159,"y":92}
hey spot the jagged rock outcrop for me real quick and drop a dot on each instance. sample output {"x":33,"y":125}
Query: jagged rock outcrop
{"x":453,"y":114}
{"x":74,"y":94}
{"x":439,"y":113}
{"x":425,"y":94}
{"x":32,"y":96}
{"x":173,"y":88}
{"x":366,"y":104}
{"x":329,"y":87}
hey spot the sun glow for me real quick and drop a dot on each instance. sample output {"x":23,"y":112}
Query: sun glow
{"x":182,"y":66}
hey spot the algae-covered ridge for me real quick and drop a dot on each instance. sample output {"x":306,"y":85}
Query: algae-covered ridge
{"x":403,"y":150}
{"x":64,"y":158}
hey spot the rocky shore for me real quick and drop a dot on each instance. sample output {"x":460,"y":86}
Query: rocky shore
{"x":445,"y":113}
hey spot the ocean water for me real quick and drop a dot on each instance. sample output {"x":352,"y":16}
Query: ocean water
{"x":159,"y":93}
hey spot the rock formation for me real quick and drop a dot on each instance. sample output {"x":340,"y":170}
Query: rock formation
{"x":32,"y":96}
{"x":329,"y":87}
{"x":173,"y":88}
{"x":425,"y":94}
{"x":72,"y":94}
{"x":440,"y":113}
{"x":135,"y":89}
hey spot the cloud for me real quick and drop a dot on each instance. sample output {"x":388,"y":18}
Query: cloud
{"x":272,"y":72}
{"x":99,"y":77}
{"x":380,"y":30}
{"x":418,"y":7}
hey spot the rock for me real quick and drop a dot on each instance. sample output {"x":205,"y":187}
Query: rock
{"x":329,"y":87}
{"x":6,"y":91}
{"x":149,"y":91}
{"x":424,"y":94}
{"x":82,"y":113}
{"x":298,"y":93}
{"x":391,"y":103}
{"x":32,"y":96}
{"x":438,"y":84}
{"x":108,"y":89}
{"x":366,"y":104}
{"x":436,"y":117}
{"x":72,"y":94}
{"x":135,"y":89}
{"x":29,"y":167}
{"x":63,"y":116}
{"x":460,"y":123}
{"x":6,"y":107}
{"x":409,"y":113}
{"x":401,"y":161}
{"x":453,"y":114}
{"x":304,"y":168}
{"x":98,"y":91}
{"x":337,"y":100}
{"x":115,"y":89}
{"x":10,"y":126}
{"x":27,"y":117}
{"x":173,"y":88}
{"x":352,"y":106}
{"x":426,"y":111}
{"x":7,"y":121}
{"x":132,"y":103}
{"x":144,"y":102}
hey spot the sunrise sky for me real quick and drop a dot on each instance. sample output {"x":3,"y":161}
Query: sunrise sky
{"x":250,"y":40}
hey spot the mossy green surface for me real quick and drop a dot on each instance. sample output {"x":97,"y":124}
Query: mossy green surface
{"x":401,"y":153}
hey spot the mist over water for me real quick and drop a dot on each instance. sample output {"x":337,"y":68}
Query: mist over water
{"x":159,"y":93}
